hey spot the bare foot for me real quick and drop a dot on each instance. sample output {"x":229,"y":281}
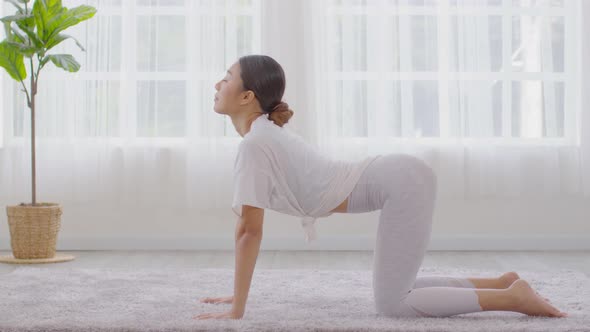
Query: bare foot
{"x":528,"y":302}
{"x":508,"y":278}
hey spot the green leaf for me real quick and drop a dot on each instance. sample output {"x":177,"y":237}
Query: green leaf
{"x":59,"y":38}
{"x":32,"y":36}
{"x":26,"y":24}
{"x":27,"y":21}
{"x":44,"y":61}
{"x":8,"y":31}
{"x":14,"y":18}
{"x":18,"y":35}
{"x":21,"y":20}
{"x":44,"y":11}
{"x":69,"y":18}
{"x":12,"y":61}
{"x":26,"y":49}
{"x":64,"y":61}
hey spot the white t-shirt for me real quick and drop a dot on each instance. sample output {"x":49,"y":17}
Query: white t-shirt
{"x":276,"y":169}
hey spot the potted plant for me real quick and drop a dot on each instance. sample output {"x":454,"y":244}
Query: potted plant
{"x":31,"y":33}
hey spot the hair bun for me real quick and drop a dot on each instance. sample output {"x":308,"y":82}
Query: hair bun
{"x":280,"y":107}
{"x":280,"y":114}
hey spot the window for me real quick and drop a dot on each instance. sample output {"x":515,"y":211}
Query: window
{"x":148,"y":71}
{"x":501,"y":69}
{"x":455,"y":68}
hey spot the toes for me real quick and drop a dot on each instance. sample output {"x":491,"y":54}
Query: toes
{"x":555,"y":311}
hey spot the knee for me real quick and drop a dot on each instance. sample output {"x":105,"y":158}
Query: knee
{"x":400,"y":310}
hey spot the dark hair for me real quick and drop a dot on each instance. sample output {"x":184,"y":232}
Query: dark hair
{"x":266,"y":78}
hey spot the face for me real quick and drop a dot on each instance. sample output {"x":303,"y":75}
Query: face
{"x":230,"y":96}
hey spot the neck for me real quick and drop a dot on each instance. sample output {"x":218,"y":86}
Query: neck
{"x":242,"y":122}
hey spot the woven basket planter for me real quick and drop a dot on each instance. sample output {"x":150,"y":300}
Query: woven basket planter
{"x":33,"y":229}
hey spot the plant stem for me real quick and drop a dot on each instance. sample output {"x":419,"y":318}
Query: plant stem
{"x":32,"y":107}
{"x":26,"y":92}
{"x":31,"y":104}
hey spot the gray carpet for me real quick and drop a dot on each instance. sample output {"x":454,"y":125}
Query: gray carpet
{"x":36,"y":298}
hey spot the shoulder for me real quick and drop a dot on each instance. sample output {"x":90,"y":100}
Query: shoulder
{"x":251,"y":152}
{"x":250,"y":146}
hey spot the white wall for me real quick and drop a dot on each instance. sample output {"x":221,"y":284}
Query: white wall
{"x":457,"y":226}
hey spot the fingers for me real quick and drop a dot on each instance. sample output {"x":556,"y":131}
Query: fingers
{"x":204,"y":316}
{"x":216,"y":300}
{"x":220,"y":315}
{"x":210,"y":300}
{"x":207,"y":316}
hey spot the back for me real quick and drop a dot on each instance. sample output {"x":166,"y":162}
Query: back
{"x":292,"y":176}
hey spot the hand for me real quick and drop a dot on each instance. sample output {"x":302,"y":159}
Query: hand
{"x":217,"y":300}
{"x":221,"y":315}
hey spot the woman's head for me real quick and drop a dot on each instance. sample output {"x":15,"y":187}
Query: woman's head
{"x":254,"y":83}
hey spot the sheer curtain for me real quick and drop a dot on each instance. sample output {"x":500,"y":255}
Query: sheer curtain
{"x":135,"y":128}
{"x":487,"y":92}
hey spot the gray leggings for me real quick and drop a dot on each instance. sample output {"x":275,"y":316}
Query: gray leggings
{"x":403,"y":187}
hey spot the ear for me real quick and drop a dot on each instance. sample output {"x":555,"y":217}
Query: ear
{"x":247,"y":97}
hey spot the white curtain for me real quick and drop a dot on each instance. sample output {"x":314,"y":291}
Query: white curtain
{"x":487,"y":92}
{"x":135,"y":128}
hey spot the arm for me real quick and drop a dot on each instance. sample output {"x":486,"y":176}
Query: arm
{"x":248,"y":239}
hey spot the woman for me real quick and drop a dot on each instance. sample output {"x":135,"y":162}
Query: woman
{"x":276,"y":169}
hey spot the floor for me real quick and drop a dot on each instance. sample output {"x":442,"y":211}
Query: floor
{"x":481,"y":260}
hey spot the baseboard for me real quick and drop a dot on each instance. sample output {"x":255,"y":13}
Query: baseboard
{"x":463,"y":242}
